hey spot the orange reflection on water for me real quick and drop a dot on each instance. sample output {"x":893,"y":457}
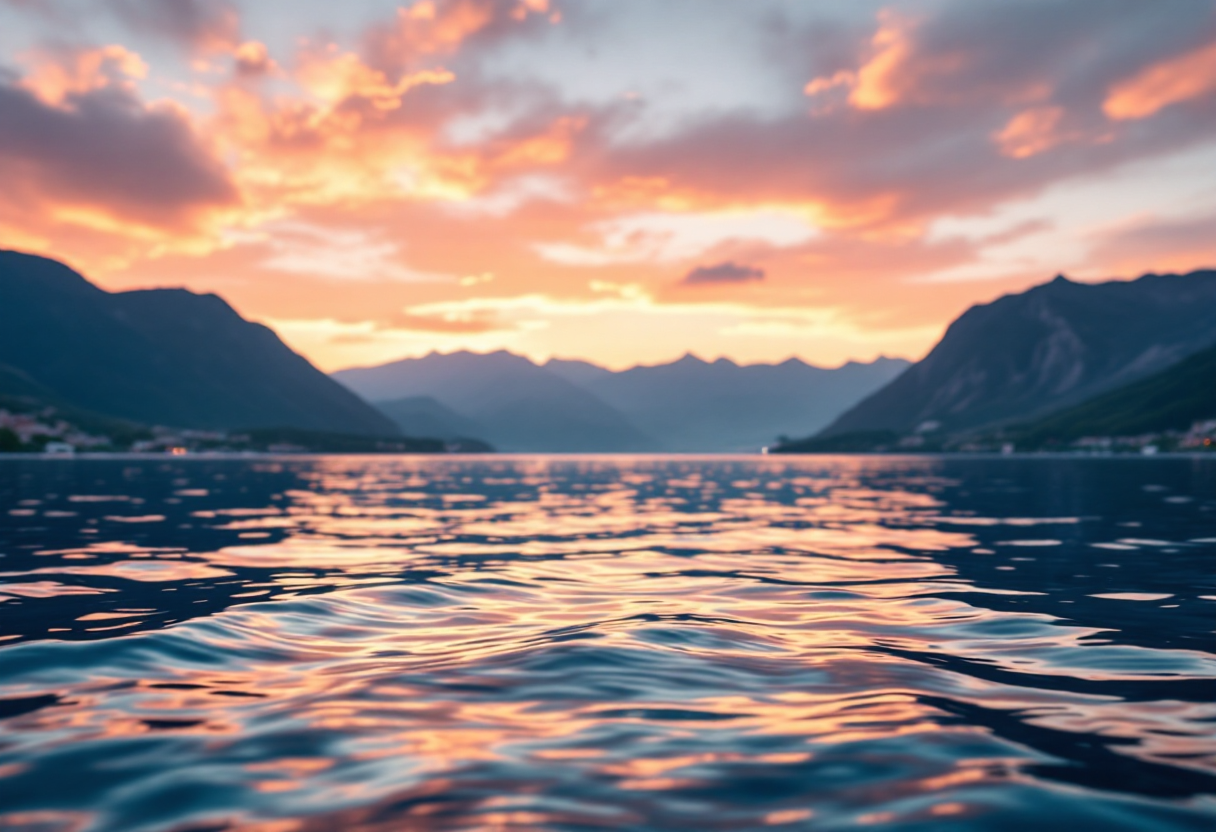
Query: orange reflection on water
{"x":466,"y":645}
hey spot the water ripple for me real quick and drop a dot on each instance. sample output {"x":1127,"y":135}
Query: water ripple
{"x":644,"y":643}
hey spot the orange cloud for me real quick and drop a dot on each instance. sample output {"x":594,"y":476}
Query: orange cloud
{"x":461,"y":323}
{"x":78,"y":149}
{"x":204,"y":26}
{"x":1160,"y":85}
{"x":526,"y":7}
{"x":880,"y":81}
{"x":429,"y":28}
{"x":340,"y":140}
{"x":351,"y":137}
{"x":425,"y":161}
{"x":896,"y":71}
{"x":253,"y":59}
{"x":550,"y":148}
{"x":635,"y":192}
{"x":838,"y":211}
{"x":55,"y":76}
{"x":1030,"y":132}
{"x":335,"y":78}
{"x":843,"y":78}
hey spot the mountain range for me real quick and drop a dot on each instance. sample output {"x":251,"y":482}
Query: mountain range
{"x":1057,"y":362}
{"x":160,"y":356}
{"x":1050,"y":347}
{"x":511,"y":402}
{"x":565,"y":405}
{"x":696,"y":405}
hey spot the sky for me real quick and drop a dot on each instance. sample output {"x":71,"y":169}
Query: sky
{"x":622,"y":181}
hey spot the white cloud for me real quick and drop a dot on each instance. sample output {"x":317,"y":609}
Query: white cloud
{"x":512,"y":194}
{"x":303,"y":248}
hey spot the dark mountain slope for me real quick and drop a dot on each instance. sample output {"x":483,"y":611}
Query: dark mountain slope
{"x":695,"y":405}
{"x":523,"y":407}
{"x":14,"y":382}
{"x":160,"y":356}
{"x":1173,"y":399}
{"x":1051,"y":346}
{"x":427,"y":416}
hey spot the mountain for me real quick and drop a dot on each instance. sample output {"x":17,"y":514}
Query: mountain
{"x":567,"y":405}
{"x":522,"y":406}
{"x":1054,"y":345}
{"x":427,"y":416}
{"x":159,"y":356}
{"x":14,"y":382}
{"x":582,"y":373}
{"x":1173,"y":399}
{"x":695,"y":405}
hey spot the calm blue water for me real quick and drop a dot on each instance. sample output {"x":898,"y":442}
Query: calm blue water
{"x":607,"y":643}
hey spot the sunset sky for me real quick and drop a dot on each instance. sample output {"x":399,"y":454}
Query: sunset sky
{"x":616,"y":180}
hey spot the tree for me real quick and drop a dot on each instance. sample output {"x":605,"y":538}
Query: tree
{"x":9,"y":441}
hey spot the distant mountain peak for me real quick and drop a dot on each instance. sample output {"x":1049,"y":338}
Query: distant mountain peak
{"x":581,"y":361}
{"x":517,"y":404}
{"x":688,"y":404}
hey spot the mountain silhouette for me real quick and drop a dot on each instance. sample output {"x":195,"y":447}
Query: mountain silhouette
{"x":160,"y":356}
{"x":568,"y":405}
{"x":522,"y":407}
{"x":1049,"y":347}
{"x":696,"y":405}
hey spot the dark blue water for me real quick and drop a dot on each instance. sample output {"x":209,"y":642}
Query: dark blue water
{"x":629,"y":643}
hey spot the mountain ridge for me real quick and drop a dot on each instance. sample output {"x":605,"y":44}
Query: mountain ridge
{"x":692,"y":404}
{"x":684,"y":405}
{"x":1029,"y":353}
{"x":522,"y":406}
{"x":160,"y":356}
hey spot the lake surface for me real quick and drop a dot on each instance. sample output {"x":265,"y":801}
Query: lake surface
{"x":607,"y":643}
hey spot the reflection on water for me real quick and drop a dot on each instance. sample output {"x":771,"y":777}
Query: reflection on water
{"x":604,"y":643}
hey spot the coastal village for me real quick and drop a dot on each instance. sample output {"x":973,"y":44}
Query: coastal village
{"x":45,"y":431}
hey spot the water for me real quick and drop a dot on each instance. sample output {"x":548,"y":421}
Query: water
{"x":629,"y":643}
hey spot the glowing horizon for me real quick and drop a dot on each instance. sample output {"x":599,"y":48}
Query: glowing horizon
{"x":621,"y":182}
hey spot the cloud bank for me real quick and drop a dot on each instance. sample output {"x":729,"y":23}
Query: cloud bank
{"x":888,"y":164}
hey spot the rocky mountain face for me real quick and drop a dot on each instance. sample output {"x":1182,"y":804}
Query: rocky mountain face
{"x":160,"y":356}
{"x":1054,"y":345}
{"x":1172,"y":400}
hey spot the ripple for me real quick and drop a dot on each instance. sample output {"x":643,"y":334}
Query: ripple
{"x":602,"y":643}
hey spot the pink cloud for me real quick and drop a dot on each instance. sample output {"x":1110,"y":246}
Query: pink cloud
{"x":1171,"y":81}
{"x":204,"y":26}
{"x":106,"y":158}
